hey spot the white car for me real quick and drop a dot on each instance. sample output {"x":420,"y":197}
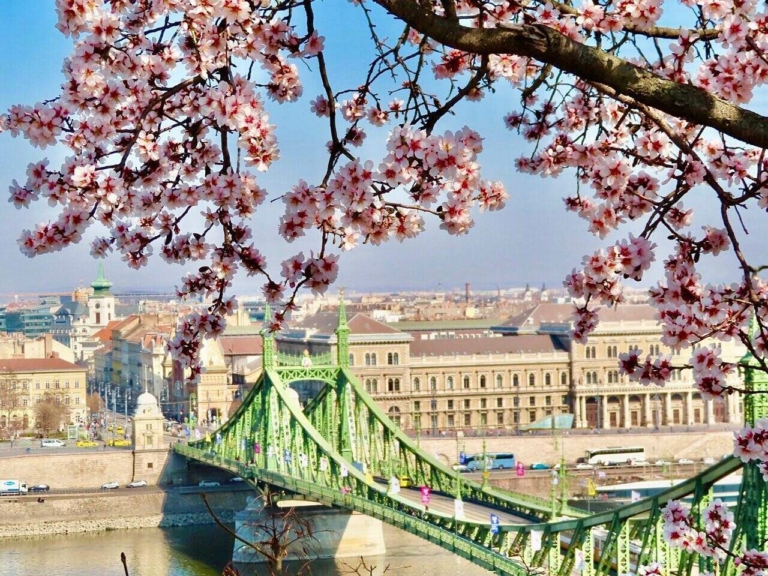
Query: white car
{"x":208,"y":484}
{"x":584,"y":466}
{"x":114,"y":485}
{"x":685,"y":461}
{"x":661,"y":462}
{"x":639,"y":463}
{"x":52,"y":443}
{"x":708,"y":461}
{"x":137,"y":484}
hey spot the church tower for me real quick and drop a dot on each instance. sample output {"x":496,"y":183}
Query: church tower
{"x":101,"y":305}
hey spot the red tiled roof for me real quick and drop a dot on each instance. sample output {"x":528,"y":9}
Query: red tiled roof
{"x":487,"y":345}
{"x":241,"y":345}
{"x":362,"y":324}
{"x":37,"y":365}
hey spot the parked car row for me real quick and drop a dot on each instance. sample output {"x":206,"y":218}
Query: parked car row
{"x":114,"y":485}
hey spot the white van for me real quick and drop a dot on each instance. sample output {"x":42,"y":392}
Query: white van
{"x":52,"y":443}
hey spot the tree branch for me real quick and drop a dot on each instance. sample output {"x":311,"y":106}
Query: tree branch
{"x":592,"y":64}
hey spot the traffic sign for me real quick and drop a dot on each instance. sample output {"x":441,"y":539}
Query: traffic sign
{"x":494,"y":524}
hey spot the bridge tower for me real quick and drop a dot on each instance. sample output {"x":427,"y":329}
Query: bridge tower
{"x":268,"y":340}
{"x":342,"y":334}
{"x":752,"y":512}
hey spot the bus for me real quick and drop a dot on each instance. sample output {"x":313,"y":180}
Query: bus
{"x":616,"y":455}
{"x":494,"y":461}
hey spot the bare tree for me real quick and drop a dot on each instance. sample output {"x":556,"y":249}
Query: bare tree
{"x":49,"y":413}
{"x":12,"y":394}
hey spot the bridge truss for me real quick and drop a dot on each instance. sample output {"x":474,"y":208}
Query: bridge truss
{"x":340,"y":448}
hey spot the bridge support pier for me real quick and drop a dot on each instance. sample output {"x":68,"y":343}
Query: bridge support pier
{"x":337,"y":533}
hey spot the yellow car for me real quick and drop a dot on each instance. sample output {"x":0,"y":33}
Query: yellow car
{"x":405,"y":482}
{"x":120,"y":430}
{"x":118,"y":442}
{"x":86,"y":444}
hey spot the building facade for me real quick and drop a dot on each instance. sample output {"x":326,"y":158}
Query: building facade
{"x":519,"y":373}
{"x":25,"y":382}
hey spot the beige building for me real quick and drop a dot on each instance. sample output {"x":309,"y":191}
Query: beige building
{"x":474,"y":375}
{"x":24,"y":382}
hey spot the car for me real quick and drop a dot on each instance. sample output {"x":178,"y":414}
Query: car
{"x":137,"y":484}
{"x":52,"y":443}
{"x":460,"y":467}
{"x":539,"y":466}
{"x":661,"y":462}
{"x":120,"y":430}
{"x":639,"y":463}
{"x":708,"y":461}
{"x":118,"y":442}
{"x":584,"y":466}
{"x":86,"y":444}
{"x":114,"y":485}
{"x":40,"y":488}
{"x":236,"y":480}
{"x":208,"y":484}
{"x":405,"y":481}
{"x":685,"y":461}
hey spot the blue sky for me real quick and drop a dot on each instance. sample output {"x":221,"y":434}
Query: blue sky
{"x":532,"y":240}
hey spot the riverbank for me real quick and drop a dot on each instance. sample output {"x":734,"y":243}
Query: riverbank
{"x":76,"y":514}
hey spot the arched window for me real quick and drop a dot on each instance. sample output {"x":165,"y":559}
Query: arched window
{"x":482,"y":381}
{"x":394,"y":414}
{"x":390,"y":359}
{"x":589,"y":377}
{"x":391,"y":385}
{"x":515,"y":380}
{"x":499,"y":381}
{"x":616,"y":376}
{"x":433,"y":383}
{"x":466,"y":382}
{"x":610,"y":377}
{"x":373,"y":359}
{"x":564,"y":378}
{"x":367,"y":359}
{"x":416,"y":384}
{"x":351,"y":359}
{"x":449,"y":383}
{"x":531,"y":379}
{"x":594,"y":377}
{"x":397,"y":384}
{"x":547,"y":379}
{"x":589,"y":353}
{"x":396,"y":358}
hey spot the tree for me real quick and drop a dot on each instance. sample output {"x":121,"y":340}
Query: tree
{"x":49,"y":413}
{"x":93,"y":401}
{"x":13,"y":393}
{"x":164,"y":112}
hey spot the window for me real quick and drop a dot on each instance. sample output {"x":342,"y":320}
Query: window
{"x":531,"y":379}
{"x":66,"y":383}
{"x":515,"y":380}
{"x":466,"y":404}
{"x":393,"y":385}
{"x":351,"y":359}
{"x":47,"y":385}
{"x":532,"y":415}
{"x":516,"y":401}
{"x":416,"y":384}
{"x":390,"y":358}
{"x":450,"y":404}
{"x":66,"y":400}
{"x":532,"y":401}
{"x":367,"y":359}
{"x":483,"y":402}
{"x":499,"y":417}
{"x":588,"y":353}
{"x":449,"y":383}
{"x":373,"y":358}
{"x":57,"y":383}
{"x":516,"y":418}
{"x":394,"y":414}
{"x":467,"y":419}
{"x":499,"y":402}
{"x":450,"y":420}
{"x":372,"y":385}
{"x":37,"y":385}
{"x":466,"y":382}
{"x":433,"y":421}
{"x":396,"y":358}
{"x":564,"y":400}
{"x":613,"y":351}
{"x":433,"y":404}
{"x":610,"y":377}
{"x":499,"y":381}
{"x":417,"y":406}
{"x":547,"y":379}
{"x":564,"y":379}
{"x":433,"y":383}
{"x":548,"y":400}
{"x":482,"y":381}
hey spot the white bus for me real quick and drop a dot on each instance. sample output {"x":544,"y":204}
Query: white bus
{"x":618,"y":455}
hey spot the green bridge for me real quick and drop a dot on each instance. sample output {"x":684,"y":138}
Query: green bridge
{"x":338,"y":448}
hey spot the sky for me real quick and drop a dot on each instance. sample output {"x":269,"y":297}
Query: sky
{"x":532,"y":241}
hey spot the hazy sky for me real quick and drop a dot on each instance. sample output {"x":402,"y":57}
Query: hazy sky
{"x":532,"y":240}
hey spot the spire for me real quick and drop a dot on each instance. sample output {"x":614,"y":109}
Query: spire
{"x":342,"y":334}
{"x":268,"y":340}
{"x":101,"y":285}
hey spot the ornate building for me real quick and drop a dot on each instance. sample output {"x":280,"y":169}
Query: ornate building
{"x":520,"y":372}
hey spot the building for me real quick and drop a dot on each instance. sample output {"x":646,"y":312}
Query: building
{"x":25,"y":382}
{"x":510,"y":375}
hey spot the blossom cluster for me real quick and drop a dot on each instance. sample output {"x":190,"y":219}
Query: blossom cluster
{"x":711,"y":541}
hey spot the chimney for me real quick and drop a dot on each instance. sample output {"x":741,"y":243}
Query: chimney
{"x":466,"y":292}
{"x":48,"y":345}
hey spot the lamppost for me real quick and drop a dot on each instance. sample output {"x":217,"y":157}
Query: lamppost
{"x":656,"y":413}
{"x":599,"y":400}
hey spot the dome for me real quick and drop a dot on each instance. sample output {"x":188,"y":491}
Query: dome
{"x":146,"y":403}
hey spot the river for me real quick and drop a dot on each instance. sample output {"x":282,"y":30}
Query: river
{"x":202,"y":551}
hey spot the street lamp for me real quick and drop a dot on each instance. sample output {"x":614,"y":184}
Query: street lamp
{"x":656,"y":414}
